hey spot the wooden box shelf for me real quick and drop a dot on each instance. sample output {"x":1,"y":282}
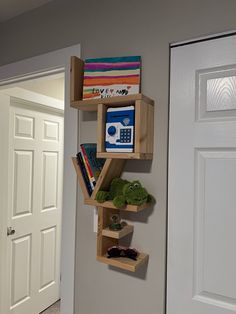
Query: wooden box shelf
{"x":143,"y":134}
{"x":144,"y":124}
{"x":119,"y":233}
{"x":125,"y":263}
{"x":114,"y":165}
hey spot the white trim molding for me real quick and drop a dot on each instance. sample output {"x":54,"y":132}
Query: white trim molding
{"x":202,"y":38}
{"x":27,"y":95}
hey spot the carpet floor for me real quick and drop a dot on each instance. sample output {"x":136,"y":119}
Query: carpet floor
{"x":54,"y":309}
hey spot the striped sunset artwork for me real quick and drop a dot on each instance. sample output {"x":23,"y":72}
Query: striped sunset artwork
{"x":109,"y":77}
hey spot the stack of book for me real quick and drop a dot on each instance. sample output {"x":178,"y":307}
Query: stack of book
{"x":90,"y":165}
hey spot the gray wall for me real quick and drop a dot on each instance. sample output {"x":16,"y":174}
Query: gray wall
{"x":113,"y":28}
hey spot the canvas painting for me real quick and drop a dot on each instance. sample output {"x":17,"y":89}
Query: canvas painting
{"x":109,"y":77}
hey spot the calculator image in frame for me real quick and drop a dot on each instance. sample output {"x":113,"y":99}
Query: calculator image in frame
{"x":120,"y":129}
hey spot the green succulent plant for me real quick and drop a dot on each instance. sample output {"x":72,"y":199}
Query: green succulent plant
{"x":124,"y":192}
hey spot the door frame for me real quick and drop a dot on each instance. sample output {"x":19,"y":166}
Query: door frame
{"x":42,"y":65}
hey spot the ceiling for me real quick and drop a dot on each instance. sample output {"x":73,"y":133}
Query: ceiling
{"x":12,"y":8}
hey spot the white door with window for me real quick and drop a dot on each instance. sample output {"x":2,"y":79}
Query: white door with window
{"x":202,"y":179}
{"x":34,"y":189}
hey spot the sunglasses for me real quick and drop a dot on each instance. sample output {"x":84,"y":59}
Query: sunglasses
{"x":121,"y":251}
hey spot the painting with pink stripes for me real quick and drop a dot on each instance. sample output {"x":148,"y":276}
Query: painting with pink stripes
{"x":109,"y":77}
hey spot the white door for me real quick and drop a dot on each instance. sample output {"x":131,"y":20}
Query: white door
{"x":34,"y":210}
{"x":202,"y":179}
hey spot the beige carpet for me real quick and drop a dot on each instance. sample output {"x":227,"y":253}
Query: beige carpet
{"x":54,"y":309}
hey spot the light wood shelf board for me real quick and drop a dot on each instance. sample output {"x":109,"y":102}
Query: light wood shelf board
{"x":109,"y":204}
{"x":144,"y":128}
{"x":111,"y":169}
{"x":101,"y":128}
{"x":76,"y":79}
{"x":143,"y":135}
{"x":91,"y":104}
{"x":118,"y":234}
{"x":103,"y":243}
{"x":82,"y":106}
{"x":81,"y":178}
{"x":125,"y":263}
{"x":141,"y":156}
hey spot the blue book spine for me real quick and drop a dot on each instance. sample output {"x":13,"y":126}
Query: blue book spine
{"x":84,"y":173}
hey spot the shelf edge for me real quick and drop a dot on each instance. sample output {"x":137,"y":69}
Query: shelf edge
{"x":109,"y":204}
{"x":134,"y":155}
{"x":119,"y":233}
{"x":121,"y":263}
{"x":91,"y":104}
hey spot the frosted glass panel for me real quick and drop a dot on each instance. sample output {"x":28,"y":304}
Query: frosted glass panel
{"x":216,"y":94}
{"x":221,"y":94}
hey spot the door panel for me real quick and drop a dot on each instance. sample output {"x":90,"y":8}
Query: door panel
{"x":24,"y":126}
{"x":50,"y":171}
{"x":48,"y":255}
{"x":51,"y":130}
{"x":21,"y":269}
{"x":35,"y":201}
{"x":215,"y":209}
{"x":23,"y":193}
{"x":202,"y":179}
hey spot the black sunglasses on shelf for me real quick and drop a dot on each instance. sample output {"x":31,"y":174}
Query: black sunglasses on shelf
{"x":121,"y":251}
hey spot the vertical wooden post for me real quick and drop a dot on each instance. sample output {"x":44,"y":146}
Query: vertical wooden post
{"x":144,"y":127}
{"x":101,"y":128}
{"x":111,"y":169}
{"x":103,"y":242}
{"x":99,"y":231}
{"x":137,"y":127}
{"x":76,"y":79}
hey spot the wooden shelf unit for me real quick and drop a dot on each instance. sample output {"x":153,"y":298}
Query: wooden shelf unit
{"x":113,"y":167}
